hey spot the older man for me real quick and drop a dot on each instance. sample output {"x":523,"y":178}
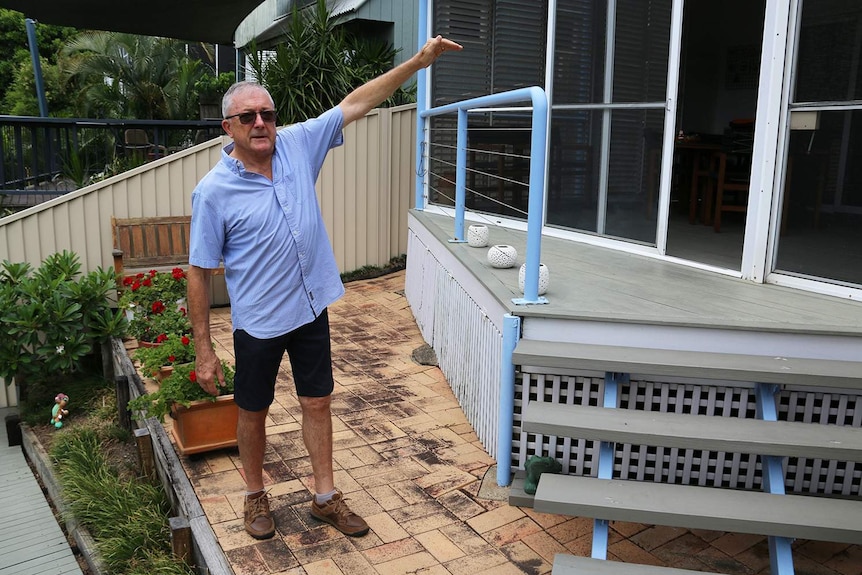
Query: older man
{"x":257,"y":211}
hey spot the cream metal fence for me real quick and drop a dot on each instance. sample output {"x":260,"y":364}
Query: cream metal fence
{"x":365,"y":189}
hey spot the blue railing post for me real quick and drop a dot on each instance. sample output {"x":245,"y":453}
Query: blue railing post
{"x":506,"y":413}
{"x":421,"y":107}
{"x":461,"y":175}
{"x":538,"y":140}
{"x":536,"y":199}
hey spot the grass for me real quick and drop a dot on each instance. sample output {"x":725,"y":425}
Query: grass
{"x":369,"y":272}
{"x":96,"y":465}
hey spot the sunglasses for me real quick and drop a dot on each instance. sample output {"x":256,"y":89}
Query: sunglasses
{"x":267,"y":116}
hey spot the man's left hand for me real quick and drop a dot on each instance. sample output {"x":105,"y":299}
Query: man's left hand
{"x":434,"y":48}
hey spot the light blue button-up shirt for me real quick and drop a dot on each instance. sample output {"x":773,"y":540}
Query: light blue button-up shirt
{"x":279,"y":266}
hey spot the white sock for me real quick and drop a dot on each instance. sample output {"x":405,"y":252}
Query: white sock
{"x":321,"y":498}
{"x":247,"y":493}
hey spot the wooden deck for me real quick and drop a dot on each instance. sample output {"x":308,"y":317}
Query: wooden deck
{"x":602,"y":296}
{"x":31,"y":541}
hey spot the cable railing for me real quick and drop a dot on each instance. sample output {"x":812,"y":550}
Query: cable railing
{"x":536,"y":180}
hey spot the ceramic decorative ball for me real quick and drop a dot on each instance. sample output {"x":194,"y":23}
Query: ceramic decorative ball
{"x":544,"y":278}
{"x":477,"y":236}
{"x":501,"y":256}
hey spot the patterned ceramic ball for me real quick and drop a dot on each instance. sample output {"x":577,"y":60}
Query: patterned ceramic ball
{"x":502,"y":256}
{"x":477,"y":236}
{"x":544,"y":278}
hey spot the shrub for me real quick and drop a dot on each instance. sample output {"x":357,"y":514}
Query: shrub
{"x":53,"y":318}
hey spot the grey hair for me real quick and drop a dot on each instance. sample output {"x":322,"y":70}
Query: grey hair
{"x":227,"y":99}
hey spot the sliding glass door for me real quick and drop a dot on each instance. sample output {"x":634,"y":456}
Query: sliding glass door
{"x":819,"y":232}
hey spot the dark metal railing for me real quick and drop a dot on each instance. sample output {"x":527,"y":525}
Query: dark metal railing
{"x":44,"y":157}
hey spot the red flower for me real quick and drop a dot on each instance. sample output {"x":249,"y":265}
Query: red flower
{"x":147,"y":282}
{"x":153,"y":273}
{"x":161,"y":337}
{"x":193,"y":376}
{"x":178,"y":273}
{"x":171,"y":358}
{"x":127,"y":281}
{"x":183,"y":311}
{"x":185,"y":340}
{"x":136,"y":286}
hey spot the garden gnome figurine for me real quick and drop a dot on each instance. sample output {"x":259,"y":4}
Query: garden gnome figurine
{"x":59,"y":411}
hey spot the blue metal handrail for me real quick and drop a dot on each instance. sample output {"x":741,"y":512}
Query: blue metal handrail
{"x":535,"y":203}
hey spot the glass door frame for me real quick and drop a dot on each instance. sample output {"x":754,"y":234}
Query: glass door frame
{"x":770,"y":250}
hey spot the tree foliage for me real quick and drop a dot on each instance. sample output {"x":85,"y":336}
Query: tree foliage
{"x":127,"y":76}
{"x":318,"y":64}
{"x":16,"y":62}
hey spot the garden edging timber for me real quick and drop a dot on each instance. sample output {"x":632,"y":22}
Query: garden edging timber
{"x":207,"y":555}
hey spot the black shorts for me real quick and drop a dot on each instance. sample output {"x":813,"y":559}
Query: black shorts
{"x":258,"y":360}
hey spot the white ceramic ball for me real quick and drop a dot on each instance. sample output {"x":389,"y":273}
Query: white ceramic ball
{"x":477,"y":236}
{"x":502,"y":256}
{"x":544,"y":278}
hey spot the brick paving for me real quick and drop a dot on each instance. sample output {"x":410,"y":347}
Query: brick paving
{"x":409,"y":462}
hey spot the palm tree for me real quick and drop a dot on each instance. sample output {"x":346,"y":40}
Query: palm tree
{"x":124,"y":75}
{"x":318,"y":65}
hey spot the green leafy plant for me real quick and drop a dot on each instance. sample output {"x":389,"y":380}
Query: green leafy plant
{"x":52,"y":318}
{"x":318,"y":64}
{"x":175,"y":349}
{"x":211,"y":88}
{"x":180,"y":388}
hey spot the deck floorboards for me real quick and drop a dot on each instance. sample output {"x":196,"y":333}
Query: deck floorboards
{"x":596,"y":283}
{"x":31,"y":541}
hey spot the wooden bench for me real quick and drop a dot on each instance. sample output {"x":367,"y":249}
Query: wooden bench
{"x":772,"y":513}
{"x":142,"y":244}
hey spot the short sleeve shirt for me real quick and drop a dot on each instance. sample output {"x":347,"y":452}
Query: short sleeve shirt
{"x":279,"y":266}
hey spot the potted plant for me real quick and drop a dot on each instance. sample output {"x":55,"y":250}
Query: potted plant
{"x":155,"y":305}
{"x":201,"y":422}
{"x":174,"y":349}
{"x":53,"y":321}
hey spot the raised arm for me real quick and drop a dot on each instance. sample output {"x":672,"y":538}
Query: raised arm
{"x":371,"y":94}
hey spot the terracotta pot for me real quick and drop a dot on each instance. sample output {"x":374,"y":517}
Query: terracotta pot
{"x":205,"y":425}
{"x":165,"y":372}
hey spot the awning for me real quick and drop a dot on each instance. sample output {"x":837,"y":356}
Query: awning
{"x":192,"y":20}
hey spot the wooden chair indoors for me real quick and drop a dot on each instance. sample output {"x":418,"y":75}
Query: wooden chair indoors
{"x":733,"y":178}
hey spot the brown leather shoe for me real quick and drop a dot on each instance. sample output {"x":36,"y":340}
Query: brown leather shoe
{"x":338,"y":514}
{"x":258,"y":520}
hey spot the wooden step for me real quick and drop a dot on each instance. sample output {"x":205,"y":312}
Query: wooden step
{"x":707,"y":432}
{"x":690,"y":364}
{"x":573,"y":565}
{"x":517,"y":496}
{"x":794,"y":516}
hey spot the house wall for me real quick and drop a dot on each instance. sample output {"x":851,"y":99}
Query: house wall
{"x":405,"y":18}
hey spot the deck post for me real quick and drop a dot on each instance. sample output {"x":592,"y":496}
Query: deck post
{"x":506,"y":416}
{"x":780,"y":551}
{"x":421,"y":106}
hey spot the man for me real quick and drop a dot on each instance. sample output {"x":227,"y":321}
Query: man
{"x":257,"y":211}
